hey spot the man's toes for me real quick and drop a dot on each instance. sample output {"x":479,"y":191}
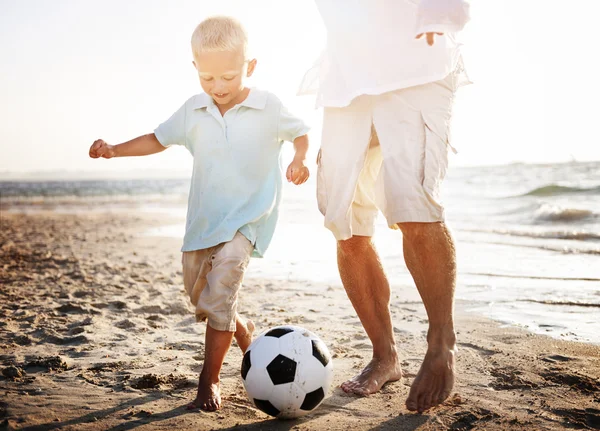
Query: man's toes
{"x":421,"y":402}
{"x":348,"y":386}
{"x":436,"y":398}
{"x":411,"y":403}
{"x":443,"y":396}
{"x":360,"y":390}
{"x":349,"y":389}
{"x":426,"y":401}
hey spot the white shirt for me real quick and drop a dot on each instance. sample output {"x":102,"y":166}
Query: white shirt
{"x":371,"y":47}
{"x":237,"y":180}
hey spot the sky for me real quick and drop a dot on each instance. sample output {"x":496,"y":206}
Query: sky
{"x":72,"y":71}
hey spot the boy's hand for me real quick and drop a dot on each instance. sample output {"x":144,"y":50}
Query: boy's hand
{"x":297,"y":172}
{"x":101,"y":149}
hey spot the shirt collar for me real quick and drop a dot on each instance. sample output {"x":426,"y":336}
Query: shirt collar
{"x":257,"y":99}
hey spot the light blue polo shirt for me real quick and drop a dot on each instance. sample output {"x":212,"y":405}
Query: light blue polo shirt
{"x":237,"y":178}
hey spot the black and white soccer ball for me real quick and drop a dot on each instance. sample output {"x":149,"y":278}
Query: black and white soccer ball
{"x":287,"y":371}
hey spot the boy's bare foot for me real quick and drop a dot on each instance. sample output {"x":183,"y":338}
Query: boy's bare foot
{"x":243,"y":333}
{"x":208,"y":397}
{"x":434,"y":380}
{"x":377,"y":373}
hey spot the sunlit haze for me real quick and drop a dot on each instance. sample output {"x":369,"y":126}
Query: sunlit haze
{"x":73,"y":71}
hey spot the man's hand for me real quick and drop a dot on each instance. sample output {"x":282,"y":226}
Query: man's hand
{"x":101,"y":149}
{"x":430,"y":37}
{"x":297,"y":172}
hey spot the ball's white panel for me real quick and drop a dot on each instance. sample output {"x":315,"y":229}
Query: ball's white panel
{"x":328,"y":378}
{"x":258,"y":384}
{"x":264,"y":351}
{"x":288,"y":398}
{"x":310,"y":374}
{"x":296,"y":345}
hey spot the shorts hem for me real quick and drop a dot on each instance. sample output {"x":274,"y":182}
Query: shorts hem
{"x":363,"y":230}
{"x":395,"y":217}
{"x":220,"y":326}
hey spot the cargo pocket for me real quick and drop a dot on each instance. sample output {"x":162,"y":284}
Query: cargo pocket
{"x":321,"y":188}
{"x":435,"y":160}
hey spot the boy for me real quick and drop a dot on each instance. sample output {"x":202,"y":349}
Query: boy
{"x":234,"y":134}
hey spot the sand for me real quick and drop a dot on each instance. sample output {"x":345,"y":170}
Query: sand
{"x":97,"y":334}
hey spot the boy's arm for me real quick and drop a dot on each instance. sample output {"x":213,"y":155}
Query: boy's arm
{"x":297,"y":172}
{"x":141,"y":146}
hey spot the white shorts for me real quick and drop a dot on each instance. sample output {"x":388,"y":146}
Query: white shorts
{"x":387,"y":152}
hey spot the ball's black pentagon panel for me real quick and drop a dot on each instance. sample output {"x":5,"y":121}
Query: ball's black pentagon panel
{"x":282,"y":370}
{"x":319,"y":351}
{"x":246,"y":364}
{"x":266,"y":407}
{"x":279,"y":332}
{"x":312,"y":399}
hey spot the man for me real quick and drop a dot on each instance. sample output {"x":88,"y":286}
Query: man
{"x":386,"y":81}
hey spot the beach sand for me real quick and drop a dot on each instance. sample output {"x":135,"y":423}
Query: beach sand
{"x":97,"y":334}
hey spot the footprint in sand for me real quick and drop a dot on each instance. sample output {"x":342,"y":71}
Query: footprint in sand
{"x":557,"y":358}
{"x":125,"y":324}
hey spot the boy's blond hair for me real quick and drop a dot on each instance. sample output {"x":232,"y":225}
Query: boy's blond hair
{"x":219,"y":33}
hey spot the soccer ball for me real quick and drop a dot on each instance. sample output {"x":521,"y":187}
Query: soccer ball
{"x":287,"y":371}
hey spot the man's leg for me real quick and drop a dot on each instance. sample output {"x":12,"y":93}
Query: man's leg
{"x":430,"y":257}
{"x":369,"y":291}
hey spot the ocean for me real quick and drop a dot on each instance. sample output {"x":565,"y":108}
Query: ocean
{"x":527,"y":237}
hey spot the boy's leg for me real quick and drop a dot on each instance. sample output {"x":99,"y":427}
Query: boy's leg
{"x":209,"y":391}
{"x":244,"y":328}
{"x":217,"y":303}
{"x":216,"y":346}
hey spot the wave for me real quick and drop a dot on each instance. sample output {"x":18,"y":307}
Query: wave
{"x":563,"y":250}
{"x":75,"y":200}
{"x":556,"y":190}
{"x":567,"y":235}
{"x":543,"y":212}
{"x":533,"y":277}
{"x":557,"y":302}
{"x":554,"y":213}
{"x":91,"y":188}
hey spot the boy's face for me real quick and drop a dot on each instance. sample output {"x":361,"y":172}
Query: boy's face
{"x":222,"y":75}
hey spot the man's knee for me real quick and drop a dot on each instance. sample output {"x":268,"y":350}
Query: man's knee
{"x":354,"y":245}
{"x":415,"y":231}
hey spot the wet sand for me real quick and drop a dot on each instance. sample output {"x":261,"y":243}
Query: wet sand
{"x":97,"y":334}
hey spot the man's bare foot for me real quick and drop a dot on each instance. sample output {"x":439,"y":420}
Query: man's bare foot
{"x":208,"y":397}
{"x":434,"y":380}
{"x":243,"y":333}
{"x":376,"y":374}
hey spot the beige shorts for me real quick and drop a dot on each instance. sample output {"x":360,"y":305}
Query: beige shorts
{"x":212,"y":278}
{"x":387,"y":152}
